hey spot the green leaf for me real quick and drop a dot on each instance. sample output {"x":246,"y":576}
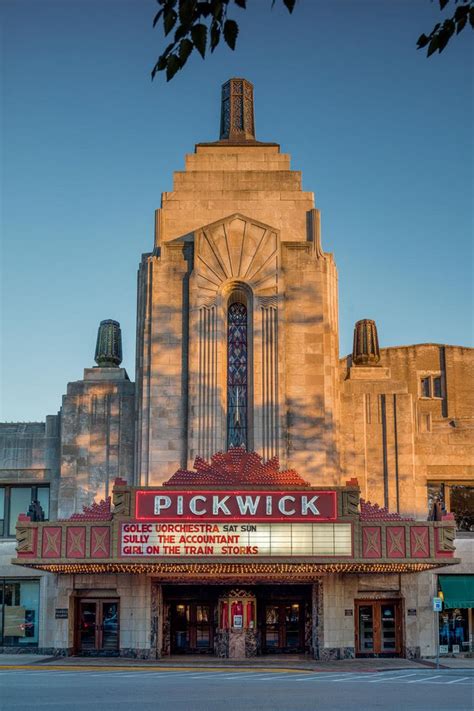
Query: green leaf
{"x":442,"y":4}
{"x":159,"y":66}
{"x":461,"y":12}
{"x":185,"y":49}
{"x":433,"y":46}
{"x":172,"y":66}
{"x":217,"y":11}
{"x":422,"y":41}
{"x":170,"y":21}
{"x":231,"y":30}
{"x":215,"y":35}
{"x":199,"y":37}
{"x":204,"y":9}
{"x":157,"y":17}
{"x":449,"y":27}
{"x":186,"y":10}
{"x":290,"y":5}
{"x":161,"y":63}
{"x":443,"y":39}
{"x":461,"y":24}
{"x":181,"y":32}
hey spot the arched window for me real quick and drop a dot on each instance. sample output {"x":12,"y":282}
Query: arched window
{"x":237,"y":375}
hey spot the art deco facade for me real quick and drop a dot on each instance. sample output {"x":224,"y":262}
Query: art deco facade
{"x":237,"y":351}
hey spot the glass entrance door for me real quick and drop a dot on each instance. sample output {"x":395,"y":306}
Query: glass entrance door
{"x":191,"y":627}
{"x":283,"y":627}
{"x":97,"y":629}
{"x":366,"y":629}
{"x":388,"y":632}
{"x":378,"y":628}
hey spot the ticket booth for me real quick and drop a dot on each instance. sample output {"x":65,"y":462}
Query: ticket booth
{"x":238,"y":611}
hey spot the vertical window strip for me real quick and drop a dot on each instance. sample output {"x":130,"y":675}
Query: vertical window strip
{"x":237,"y":375}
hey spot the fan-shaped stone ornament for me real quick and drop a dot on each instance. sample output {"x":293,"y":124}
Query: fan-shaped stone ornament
{"x":237,"y":248}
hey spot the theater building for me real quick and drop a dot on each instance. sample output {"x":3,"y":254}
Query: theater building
{"x":251,"y":492}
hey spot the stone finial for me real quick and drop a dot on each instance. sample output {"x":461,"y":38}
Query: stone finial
{"x":108,"y":351}
{"x":366,"y":349}
{"x":237,"y":119}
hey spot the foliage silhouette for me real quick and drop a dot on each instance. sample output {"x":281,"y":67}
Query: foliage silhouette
{"x":201,"y":24}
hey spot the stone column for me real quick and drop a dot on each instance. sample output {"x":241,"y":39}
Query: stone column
{"x":157,"y":620}
{"x":317,"y":619}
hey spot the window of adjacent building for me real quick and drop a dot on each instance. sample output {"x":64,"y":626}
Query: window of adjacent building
{"x":453,"y":497}
{"x":15,"y":500}
{"x":19,"y":612}
{"x":431,"y":386}
{"x":454,"y":631}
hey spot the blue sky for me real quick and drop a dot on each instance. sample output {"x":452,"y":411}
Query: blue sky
{"x":381,"y":134}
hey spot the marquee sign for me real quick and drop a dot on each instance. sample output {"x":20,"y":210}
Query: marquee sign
{"x":235,"y":539}
{"x":225,"y":523}
{"x":256,"y":506}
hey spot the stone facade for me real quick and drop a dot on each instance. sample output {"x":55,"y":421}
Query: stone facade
{"x":238,"y":225}
{"x":394,"y":439}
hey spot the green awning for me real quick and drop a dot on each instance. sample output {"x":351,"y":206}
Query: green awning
{"x":458,"y":590}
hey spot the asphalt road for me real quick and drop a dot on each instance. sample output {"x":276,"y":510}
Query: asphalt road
{"x":239,"y":690}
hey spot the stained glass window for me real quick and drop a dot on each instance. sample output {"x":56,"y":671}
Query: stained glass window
{"x":237,"y":367}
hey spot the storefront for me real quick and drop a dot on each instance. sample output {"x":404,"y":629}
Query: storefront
{"x":231,"y":571}
{"x":456,"y":628}
{"x":19,"y":612}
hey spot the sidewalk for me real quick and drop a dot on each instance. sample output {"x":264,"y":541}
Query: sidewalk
{"x":270,"y":663}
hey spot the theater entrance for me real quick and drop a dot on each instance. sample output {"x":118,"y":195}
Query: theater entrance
{"x":282,"y":616}
{"x":192,"y":614}
{"x":97,"y":626}
{"x":273,"y":619}
{"x":378,"y":628}
{"x":282,"y":628}
{"x":192,"y":627}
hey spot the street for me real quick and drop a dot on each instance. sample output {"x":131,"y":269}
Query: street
{"x":238,"y":690}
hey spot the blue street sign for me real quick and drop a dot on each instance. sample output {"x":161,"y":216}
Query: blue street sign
{"x":437,"y":604}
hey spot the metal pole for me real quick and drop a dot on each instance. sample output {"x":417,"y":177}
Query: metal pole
{"x":437,"y":639}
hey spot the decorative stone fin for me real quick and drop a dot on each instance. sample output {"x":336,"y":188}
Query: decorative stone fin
{"x":446,"y":536}
{"x":366,"y":349}
{"x":350,"y":503}
{"x":121,"y":501}
{"x":315,"y":233}
{"x":25,"y":539}
{"x":237,"y":116}
{"x":108,"y":350}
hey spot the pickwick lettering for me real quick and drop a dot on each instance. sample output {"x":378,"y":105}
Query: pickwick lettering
{"x":218,"y":506}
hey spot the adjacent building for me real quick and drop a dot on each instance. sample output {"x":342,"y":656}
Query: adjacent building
{"x":251,"y":492}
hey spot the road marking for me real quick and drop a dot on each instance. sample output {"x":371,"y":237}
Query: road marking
{"x":455,"y":681}
{"x":423,"y":678}
{"x":391,"y":678}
